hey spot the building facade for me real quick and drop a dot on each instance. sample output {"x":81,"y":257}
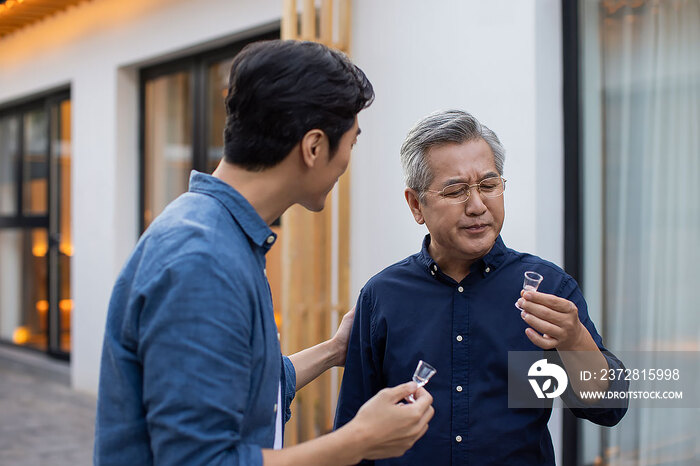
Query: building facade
{"x":106,"y":106}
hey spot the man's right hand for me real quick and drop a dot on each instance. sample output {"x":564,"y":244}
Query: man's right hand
{"x":389,"y":427}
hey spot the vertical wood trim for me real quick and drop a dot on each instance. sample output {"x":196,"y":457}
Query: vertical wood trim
{"x":308,"y":21}
{"x":344,"y":22}
{"x":288,"y":27}
{"x":326,"y":35}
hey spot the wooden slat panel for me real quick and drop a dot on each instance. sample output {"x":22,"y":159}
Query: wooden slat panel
{"x":307,"y":252}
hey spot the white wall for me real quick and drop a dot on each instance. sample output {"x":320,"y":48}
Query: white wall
{"x":499,"y":60}
{"x":95,"y":48}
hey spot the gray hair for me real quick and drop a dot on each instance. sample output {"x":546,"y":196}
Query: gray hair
{"x":443,"y":127}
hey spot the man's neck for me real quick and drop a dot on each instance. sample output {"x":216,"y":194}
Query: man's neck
{"x":268,"y":191}
{"x":453,"y":267}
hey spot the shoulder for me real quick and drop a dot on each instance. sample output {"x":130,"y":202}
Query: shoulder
{"x":193,"y":226}
{"x":393,"y":278}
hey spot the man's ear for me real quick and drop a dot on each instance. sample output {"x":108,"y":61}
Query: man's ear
{"x":313,"y":146}
{"x":415,"y":205}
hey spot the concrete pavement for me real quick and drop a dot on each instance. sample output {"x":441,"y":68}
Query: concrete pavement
{"x":42,"y":420}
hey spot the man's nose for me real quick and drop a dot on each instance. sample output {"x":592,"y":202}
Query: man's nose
{"x":474,"y":204}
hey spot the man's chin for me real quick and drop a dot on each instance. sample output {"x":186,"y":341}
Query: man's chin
{"x":314,"y":206}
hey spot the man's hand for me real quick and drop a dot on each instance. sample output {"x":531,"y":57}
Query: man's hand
{"x":341,"y":338}
{"x":389,"y":427}
{"x":556,"y":320}
{"x":383,"y":428}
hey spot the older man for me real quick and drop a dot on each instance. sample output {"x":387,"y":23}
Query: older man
{"x":452,"y":305}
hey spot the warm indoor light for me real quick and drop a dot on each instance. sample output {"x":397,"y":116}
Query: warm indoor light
{"x":42,"y":305}
{"x":65,"y":305}
{"x":20,"y":336}
{"x":10,"y":3}
{"x":66,"y":249}
{"x":39,"y":250}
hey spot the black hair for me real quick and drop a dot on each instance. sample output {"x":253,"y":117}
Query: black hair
{"x":280,"y":90}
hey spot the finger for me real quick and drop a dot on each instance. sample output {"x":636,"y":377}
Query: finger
{"x":423,"y":393}
{"x":424,"y":402}
{"x":539,"y":340}
{"x":427,"y":415}
{"x":399,"y":392}
{"x":350,"y":314}
{"x":551,"y":301}
{"x":541,"y":325}
{"x":542,"y":312}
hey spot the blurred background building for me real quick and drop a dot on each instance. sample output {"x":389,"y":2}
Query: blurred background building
{"x":106,"y":106}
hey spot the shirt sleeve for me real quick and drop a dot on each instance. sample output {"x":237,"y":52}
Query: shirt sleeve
{"x":194,"y":345}
{"x":600,"y":412}
{"x":361,"y":377}
{"x":289,"y":389}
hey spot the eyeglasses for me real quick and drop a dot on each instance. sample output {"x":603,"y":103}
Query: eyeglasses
{"x":459,"y":192}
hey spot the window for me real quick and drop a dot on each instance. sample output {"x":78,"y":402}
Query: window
{"x":35,"y":228}
{"x":183,"y":120}
{"x":639,"y":165}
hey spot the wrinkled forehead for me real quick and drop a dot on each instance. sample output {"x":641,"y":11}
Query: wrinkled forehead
{"x":467,"y":162}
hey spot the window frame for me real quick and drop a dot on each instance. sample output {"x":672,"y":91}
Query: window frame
{"x":573,"y":238}
{"x":196,"y":65}
{"x":18,"y":108}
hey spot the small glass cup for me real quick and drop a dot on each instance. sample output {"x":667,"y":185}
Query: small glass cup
{"x":531,"y":283}
{"x":423,"y":373}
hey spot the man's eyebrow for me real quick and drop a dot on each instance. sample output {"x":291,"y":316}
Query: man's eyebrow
{"x":456,"y":180}
{"x":453,"y":181}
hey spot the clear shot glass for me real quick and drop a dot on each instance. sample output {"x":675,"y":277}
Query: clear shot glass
{"x":531,"y":283}
{"x":423,"y":373}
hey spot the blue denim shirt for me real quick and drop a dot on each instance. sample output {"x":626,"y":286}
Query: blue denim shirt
{"x":412,"y":311}
{"x":191,"y":361}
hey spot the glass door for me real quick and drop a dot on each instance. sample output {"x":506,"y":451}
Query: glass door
{"x":35,"y":235}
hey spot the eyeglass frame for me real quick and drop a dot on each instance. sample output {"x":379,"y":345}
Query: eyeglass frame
{"x":469,"y":189}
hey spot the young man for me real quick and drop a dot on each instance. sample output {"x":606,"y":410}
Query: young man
{"x":453,"y":305}
{"x":191,"y":367}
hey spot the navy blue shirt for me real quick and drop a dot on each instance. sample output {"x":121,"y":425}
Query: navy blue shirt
{"x":191,"y":363}
{"x":412,"y":311}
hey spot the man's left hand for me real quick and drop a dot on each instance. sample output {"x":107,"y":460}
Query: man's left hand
{"x":342,"y":337}
{"x":556,"y":320}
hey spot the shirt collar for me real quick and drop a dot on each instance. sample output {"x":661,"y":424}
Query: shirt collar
{"x":491,"y":261}
{"x":238,"y":206}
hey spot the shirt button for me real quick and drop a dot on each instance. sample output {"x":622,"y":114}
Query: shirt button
{"x":488,"y":269}
{"x":432,"y":273}
{"x":459,"y":337}
{"x":460,"y":289}
{"x":435,"y":267}
{"x":270,"y":239}
{"x":458,"y":438}
{"x":459,"y":388}
{"x":275,"y":408}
